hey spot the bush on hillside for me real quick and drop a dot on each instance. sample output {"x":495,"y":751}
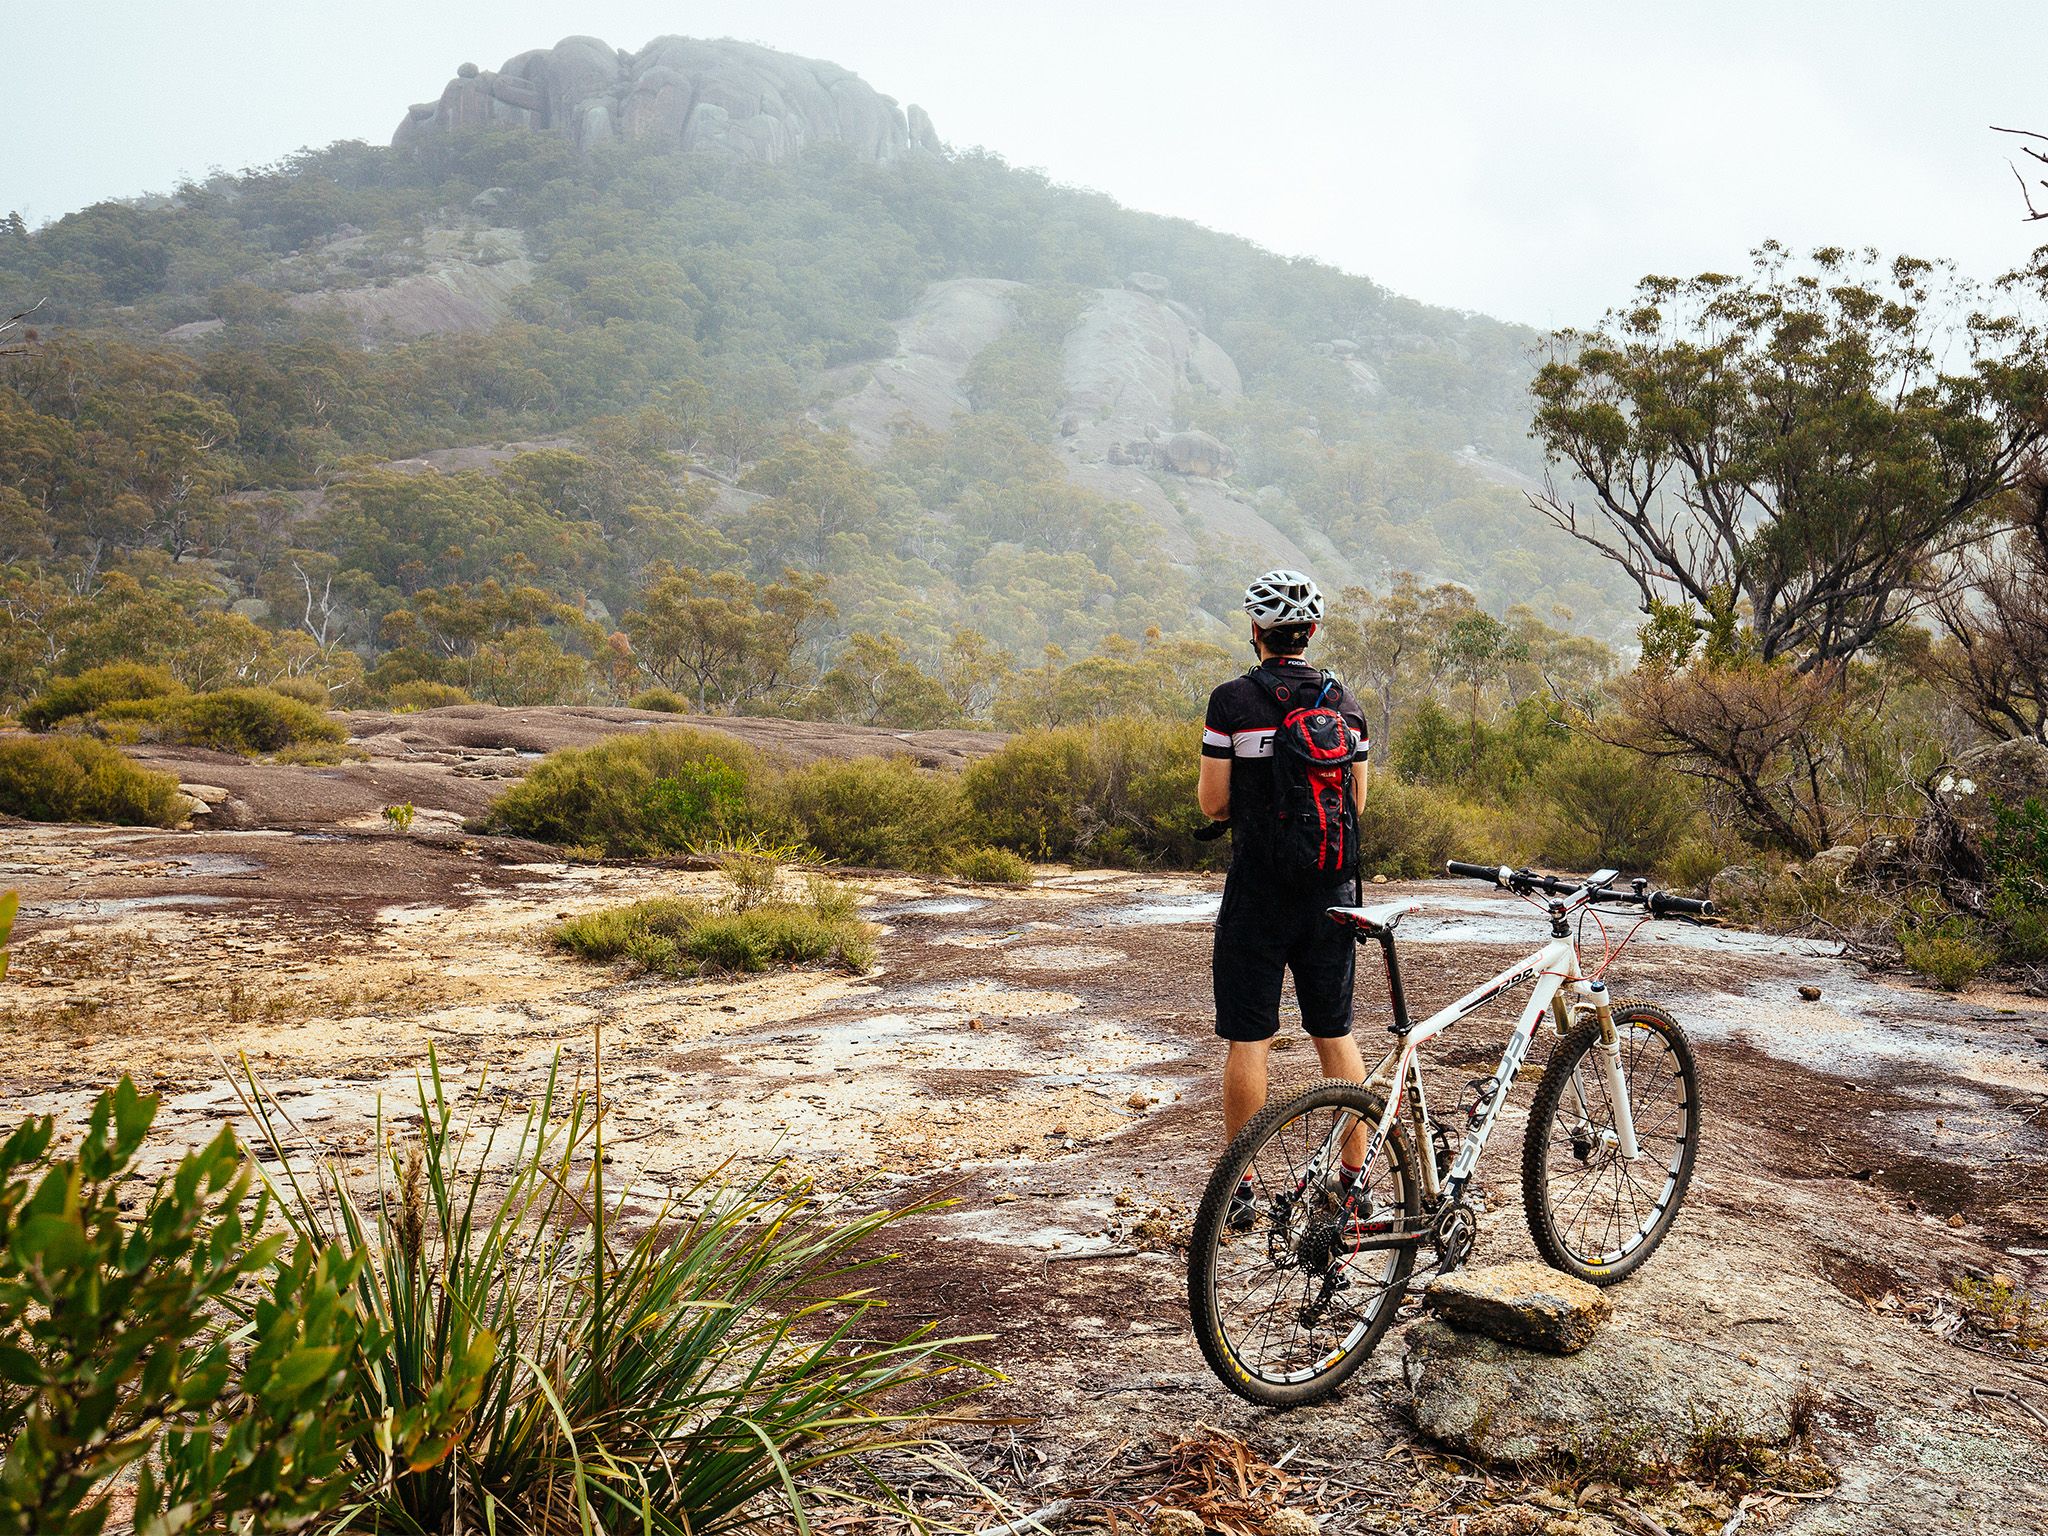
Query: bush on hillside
{"x":653,"y":792}
{"x":411,"y":697}
{"x":1118,"y":792}
{"x":70,"y":697}
{"x":660,"y":701}
{"x":74,"y":778}
{"x":251,"y":721}
{"x":877,"y":812}
{"x":1407,"y":831}
{"x":307,"y":690}
{"x":1608,"y":807}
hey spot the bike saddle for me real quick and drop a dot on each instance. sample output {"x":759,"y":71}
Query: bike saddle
{"x":1374,"y":921}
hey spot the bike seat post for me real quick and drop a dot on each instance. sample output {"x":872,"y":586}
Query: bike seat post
{"x":1395,"y":996}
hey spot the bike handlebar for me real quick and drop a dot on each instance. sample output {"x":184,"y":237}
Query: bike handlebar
{"x":1528,"y":882}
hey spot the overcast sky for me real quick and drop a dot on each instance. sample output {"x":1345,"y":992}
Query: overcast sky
{"x":1526,"y":159}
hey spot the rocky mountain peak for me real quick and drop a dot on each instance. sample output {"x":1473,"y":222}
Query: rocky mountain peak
{"x":717,"y":95}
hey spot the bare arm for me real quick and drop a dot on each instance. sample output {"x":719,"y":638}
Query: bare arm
{"x":1212,"y":789}
{"x":1359,"y":773}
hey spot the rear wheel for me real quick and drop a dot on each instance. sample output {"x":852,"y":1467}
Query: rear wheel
{"x":1594,"y":1213}
{"x":1288,"y":1300}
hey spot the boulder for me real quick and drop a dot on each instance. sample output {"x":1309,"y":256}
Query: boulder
{"x":724,"y":96}
{"x":208,"y":795}
{"x":1522,"y":1303}
{"x":1149,"y":282}
{"x":1736,"y":887}
{"x":1832,"y":864}
{"x":1630,"y":1397}
{"x":1195,"y":453}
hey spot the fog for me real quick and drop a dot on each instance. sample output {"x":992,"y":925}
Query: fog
{"x":1528,"y":161}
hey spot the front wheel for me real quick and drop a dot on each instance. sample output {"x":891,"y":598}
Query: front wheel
{"x":1594,"y":1213}
{"x":1292,"y":1286}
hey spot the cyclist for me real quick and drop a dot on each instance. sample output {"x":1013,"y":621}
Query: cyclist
{"x":1273,"y":915}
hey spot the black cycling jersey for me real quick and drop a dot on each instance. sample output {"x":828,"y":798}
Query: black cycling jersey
{"x":1270,"y":926}
{"x":1243,"y":716}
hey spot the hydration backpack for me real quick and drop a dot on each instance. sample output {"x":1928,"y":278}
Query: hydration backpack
{"x":1313,"y":825}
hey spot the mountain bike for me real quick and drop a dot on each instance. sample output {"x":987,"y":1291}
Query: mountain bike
{"x":1295,"y":1281}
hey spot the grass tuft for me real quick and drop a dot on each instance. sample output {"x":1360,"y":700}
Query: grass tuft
{"x":679,"y":937}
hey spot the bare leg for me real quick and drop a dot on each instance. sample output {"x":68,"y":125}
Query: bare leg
{"x":1340,"y":1058}
{"x":1244,"y":1083}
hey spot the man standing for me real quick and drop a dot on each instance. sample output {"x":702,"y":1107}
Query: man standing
{"x":1274,"y":899}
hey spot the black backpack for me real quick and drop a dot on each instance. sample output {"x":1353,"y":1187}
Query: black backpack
{"x":1311,"y":822}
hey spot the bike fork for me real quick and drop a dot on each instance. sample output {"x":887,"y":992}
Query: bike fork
{"x":1607,"y":1060}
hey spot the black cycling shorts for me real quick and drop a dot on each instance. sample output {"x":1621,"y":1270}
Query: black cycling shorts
{"x":1262,"y":930}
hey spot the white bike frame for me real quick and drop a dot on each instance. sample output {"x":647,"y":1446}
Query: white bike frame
{"x":1552,"y":969}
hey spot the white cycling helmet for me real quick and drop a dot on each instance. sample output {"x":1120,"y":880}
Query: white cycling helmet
{"x":1283,"y":597}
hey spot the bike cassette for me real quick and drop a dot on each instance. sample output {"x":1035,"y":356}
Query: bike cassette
{"x":1453,"y":1233}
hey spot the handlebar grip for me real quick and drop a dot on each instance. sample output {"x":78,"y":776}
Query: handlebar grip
{"x":1661,"y":903}
{"x":1490,"y":873}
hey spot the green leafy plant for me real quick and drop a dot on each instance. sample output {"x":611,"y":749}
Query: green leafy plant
{"x":650,"y":793}
{"x":10,"y":904}
{"x":668,"y":1381}
{"x":686,"y":938}
{"x":991,"y":866}
{"x":875,"y":812}
{"x":73,"y":778}
{"x":70,"y":697}
{"x":660,"y":701}
{"x":399,"y":817}
{"x":1120,"y":792}
{"x":410,"y":698}
{"x":245,"y":720}
{"x":1950,"y":951}
{"x":116,"y":1346}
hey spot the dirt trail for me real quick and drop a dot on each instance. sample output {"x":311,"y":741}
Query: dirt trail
{"x":1046,"y":1055}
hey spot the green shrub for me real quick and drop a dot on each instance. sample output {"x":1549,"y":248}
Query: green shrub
{"x":1605,"y":807}
{"x":1950,"y":951}
{"x":155,"y":1321}
{"x":307,"y":690}
{"x":1030,"y":796}
{"x":686,"y":938}
{"x":70,"y":697}
{"x":877,"y":812}
{"x":2017,"y":853}
{"x":73,"y":778}
{"x":991,"y":866}
{"x":411,"y":697}
{"x":701,"y":1375}
{"x":250,"y":721}
{"x":1120,"y":792}
{"x":660,"y":701}
{"x":1407,"y":831}
{"x":652,"y":792}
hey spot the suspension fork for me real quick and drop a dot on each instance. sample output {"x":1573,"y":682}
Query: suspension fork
{"x":1607,"y":1062}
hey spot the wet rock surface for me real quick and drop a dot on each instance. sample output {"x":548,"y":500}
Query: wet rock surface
{"x":1522,"y":1303}
{"x":1625,"y":1399}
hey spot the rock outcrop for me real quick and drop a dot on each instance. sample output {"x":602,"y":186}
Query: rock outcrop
{"x":1623,"y":1398}
{"x":1523,"y":1303}
{"x":1131,"y":360}
{"x":725,"y":96}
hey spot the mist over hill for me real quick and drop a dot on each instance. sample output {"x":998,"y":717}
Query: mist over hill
{"x":595,"y":316}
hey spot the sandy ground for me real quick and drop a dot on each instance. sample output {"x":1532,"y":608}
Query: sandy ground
{"x":1045,"y":1056}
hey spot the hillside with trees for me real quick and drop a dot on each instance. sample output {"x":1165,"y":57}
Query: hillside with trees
{"x":472,"y":411}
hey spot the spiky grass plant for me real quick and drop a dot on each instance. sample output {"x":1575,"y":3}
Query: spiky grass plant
{"x":718,"y":1367}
